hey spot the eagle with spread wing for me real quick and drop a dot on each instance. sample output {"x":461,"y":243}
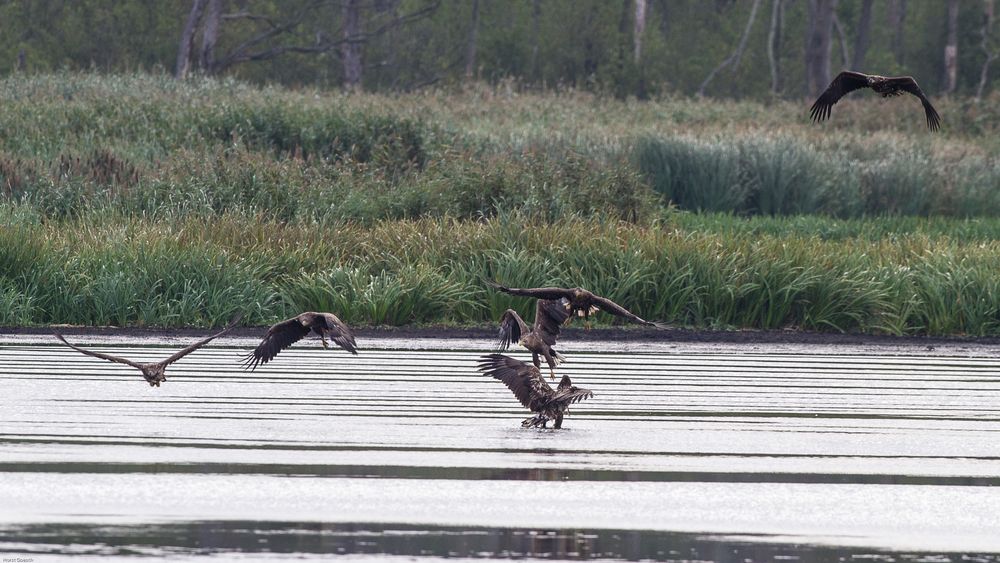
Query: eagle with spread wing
{"x":849,"y":81}
{"x":579,"y":301}
{"x":531,"y":389}
{"x":290,"y":331}
{"x":540,"y":338}
{"x":154,"y":372}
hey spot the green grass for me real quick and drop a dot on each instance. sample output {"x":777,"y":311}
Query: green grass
{"x":140,"y":200}
{"x":150,"y":145}
{"x":107,"y":270}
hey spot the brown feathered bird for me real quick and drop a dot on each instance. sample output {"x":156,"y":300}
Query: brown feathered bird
{"x":888,"y":86}
{"x":540,"y":338}
{"x":579,"y":301}
{"x":288,"y":332}
{"x":154,"y":372}
{"x":532,"y":391}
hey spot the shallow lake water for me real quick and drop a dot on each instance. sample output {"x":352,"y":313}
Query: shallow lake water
{"x":688,"y":455}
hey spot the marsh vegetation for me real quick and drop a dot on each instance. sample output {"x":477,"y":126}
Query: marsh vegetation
{"x":141,"y":200}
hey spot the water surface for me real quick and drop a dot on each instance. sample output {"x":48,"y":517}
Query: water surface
{"x":802,"y":454}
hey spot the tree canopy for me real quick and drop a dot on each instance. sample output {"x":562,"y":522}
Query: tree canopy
{"x":625,"y":47}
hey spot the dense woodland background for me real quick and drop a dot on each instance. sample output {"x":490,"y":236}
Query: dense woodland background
{"x":755,"y":48}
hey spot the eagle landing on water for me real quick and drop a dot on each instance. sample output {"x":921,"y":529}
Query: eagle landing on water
{"x":531,"y":389}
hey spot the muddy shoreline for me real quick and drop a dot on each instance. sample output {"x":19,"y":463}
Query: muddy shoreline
{"x":636,"y":339}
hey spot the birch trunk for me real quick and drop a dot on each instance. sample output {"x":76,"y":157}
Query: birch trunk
{"x":210,"y":35}
{"x":864,"y":36}
{"x":536,"y":16}
{"x":470,"y":46}
{"x":733,"y":59}
{"x":991,"y":52}
{"x":951,"y":49}
{"x":845,"y":57}
{"x":897,"y":16}
{"x":351,"y":48}
{"x":818,"y":45}
{"x":187,"y":39}
{"x":640,"y":27}
{"x":774,"y":45}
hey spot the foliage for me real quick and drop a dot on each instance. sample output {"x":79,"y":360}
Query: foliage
{"x":690,"y":270}
{"x":140,"y":200}
{"x":583,"y":44}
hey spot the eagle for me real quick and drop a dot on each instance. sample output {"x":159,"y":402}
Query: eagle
{"x":888,"y":86}
{"x":579,"y":301}
{"x":539,"y":339}
{"x":532,"y":391}
{"x":154,"y":372}
{"x":290,"y":331}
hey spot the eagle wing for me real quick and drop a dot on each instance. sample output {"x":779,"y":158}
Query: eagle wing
{"x":537,"y":293}
{"x":339,"y":332}
{"x":908,"y":84}
{"x":845,"y":83}
{"x":511,"y":329}
{"x":567,"y":397}
{"x":278,"y":337}
{"x":609,"y":306}
{"x":549,"y":316}
{"x":524,"y":380}
{"x":566,"y":394}
{"x":108,"y":357}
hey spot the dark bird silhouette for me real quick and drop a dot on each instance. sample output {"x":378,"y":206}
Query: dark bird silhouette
{"x":849,"y":81}
{"x":288,"y":332}
{"x":579,"y":301}
{"x":531,"y":389}
{"x":539,"y":339}
{"x":154,"y":372}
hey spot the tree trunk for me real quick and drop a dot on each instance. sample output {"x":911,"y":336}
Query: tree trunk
{"x":623,"y":29}
{"x":733,"y":59}
{"x":897,"y":16}
{"x":536,"y":16}
{"x":864,"y":36}
{"x":818,"y":45}
{"x":639,"y":28}
{"x":470,"y":46}
{"x":991,"y":51}
{"x":951,"y":49}
{"x":845,"y":57}
{"x":774,"y":44}
{"x":210,"y":35}
{"x":187,"y":39}
{"x":351,"y":48}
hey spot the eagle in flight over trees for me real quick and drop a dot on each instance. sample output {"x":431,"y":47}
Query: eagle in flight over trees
{"x":849,"y":81}
{"x":532,"y":391}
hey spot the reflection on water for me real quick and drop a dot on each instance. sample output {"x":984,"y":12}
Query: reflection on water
{"x":309,"y":538}
{"x":496,"y":474}
{"x":686,"y":457}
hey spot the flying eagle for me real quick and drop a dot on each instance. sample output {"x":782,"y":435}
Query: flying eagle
{"x":888,"y":86}
{"x":579,"y":301}
{"x":539,"y":339}
{"x":531,"y":389}
{"x":154,"y":372}
{"x":288,"y":332}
